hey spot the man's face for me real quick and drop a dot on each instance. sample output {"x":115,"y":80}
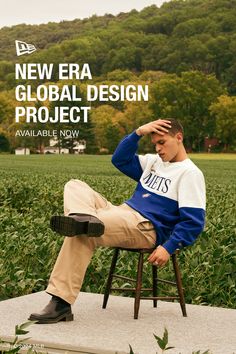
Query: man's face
{"x":168,"y":146}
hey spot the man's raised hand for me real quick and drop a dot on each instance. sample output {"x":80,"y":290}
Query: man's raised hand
{"x":159,"y":126}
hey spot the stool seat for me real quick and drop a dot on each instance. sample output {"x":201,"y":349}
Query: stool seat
{"x":138,"y":281}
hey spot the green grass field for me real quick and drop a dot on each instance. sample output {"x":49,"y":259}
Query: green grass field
{"x":31,"y":190}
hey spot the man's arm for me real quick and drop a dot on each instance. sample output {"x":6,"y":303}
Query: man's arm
{"x":125,"y":157}
{"x":192,"y":218}
{"x":184,"y":234}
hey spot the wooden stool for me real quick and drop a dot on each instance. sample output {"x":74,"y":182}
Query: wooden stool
{"x":138,"y":282}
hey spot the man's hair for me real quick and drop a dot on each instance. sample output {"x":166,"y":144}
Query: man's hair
{"x":176,"y":127}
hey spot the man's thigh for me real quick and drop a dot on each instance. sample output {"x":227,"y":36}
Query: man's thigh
{"x":124,"y":227}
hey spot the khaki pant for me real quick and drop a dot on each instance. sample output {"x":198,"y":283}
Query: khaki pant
{"x":124,"y":227}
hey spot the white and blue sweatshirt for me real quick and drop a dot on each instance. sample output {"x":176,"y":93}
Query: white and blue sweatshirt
{"x":169,"y":194}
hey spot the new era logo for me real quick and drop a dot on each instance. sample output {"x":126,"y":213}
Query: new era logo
{"x":24,"y":48}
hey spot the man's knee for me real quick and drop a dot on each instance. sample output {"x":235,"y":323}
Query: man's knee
{"x":75,"y":183}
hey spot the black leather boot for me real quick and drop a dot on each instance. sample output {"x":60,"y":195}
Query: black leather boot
{"x":56,"y":310}
{"x":77,"y":225}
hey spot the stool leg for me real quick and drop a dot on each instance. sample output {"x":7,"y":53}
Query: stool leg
{"x":179,"y":284}
{"x":154,"y":284}
{"x":138,"y":286}
{"x":110,"y":277}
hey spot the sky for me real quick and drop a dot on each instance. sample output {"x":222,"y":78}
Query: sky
{"x":42,"y":11}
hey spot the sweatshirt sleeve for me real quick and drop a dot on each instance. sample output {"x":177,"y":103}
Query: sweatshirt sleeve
{"x":125,"y":157}
{"x":192,"y":200}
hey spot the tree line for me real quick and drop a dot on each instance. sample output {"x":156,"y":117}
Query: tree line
{"x":199,"y":101}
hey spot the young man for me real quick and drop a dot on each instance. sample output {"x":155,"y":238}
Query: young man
{"x":166,"y":212}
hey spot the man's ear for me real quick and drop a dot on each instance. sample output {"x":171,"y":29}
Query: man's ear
{"x":179,"y":137}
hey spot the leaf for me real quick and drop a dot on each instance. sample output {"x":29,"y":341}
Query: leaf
{"x":19,"y":329}
{"x":160,"y":342}
{"x":131,"y":350}
{"x":27,"y":324}
{"x":15,"y":350}
{"x":15,"y":340}
{"x":165,"y":337}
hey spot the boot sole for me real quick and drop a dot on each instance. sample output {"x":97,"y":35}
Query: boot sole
{"x":63,"y":317}
{"x":68,"y":226}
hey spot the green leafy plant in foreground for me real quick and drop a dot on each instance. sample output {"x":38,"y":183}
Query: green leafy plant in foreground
{"x":16,"y":344}
{"x":163,"y":344}
{"x":131,"y":350}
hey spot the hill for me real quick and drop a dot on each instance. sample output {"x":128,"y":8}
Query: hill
{"x":179,"y":36}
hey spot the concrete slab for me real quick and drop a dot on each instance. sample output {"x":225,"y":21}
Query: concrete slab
{"x":96,"y":330}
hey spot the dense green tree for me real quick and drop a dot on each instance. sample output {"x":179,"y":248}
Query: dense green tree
{"x":187,"y":98}
{"x":134,"y":115}
{"x":106,"y":128}
{"x":4,"y":143}
{"x":224,"y":112}
{"x":7,"y":114}
{"x":6,"y":68}
{"x":84,"y":126}
{"x":219,"y":54}
{"x":151,"y":76}
{"x":121,"y":75}
{"x":191,"y":27}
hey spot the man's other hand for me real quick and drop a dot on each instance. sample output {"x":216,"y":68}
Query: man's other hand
{"x":159,"y":126}
{"x":159,"y":256}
